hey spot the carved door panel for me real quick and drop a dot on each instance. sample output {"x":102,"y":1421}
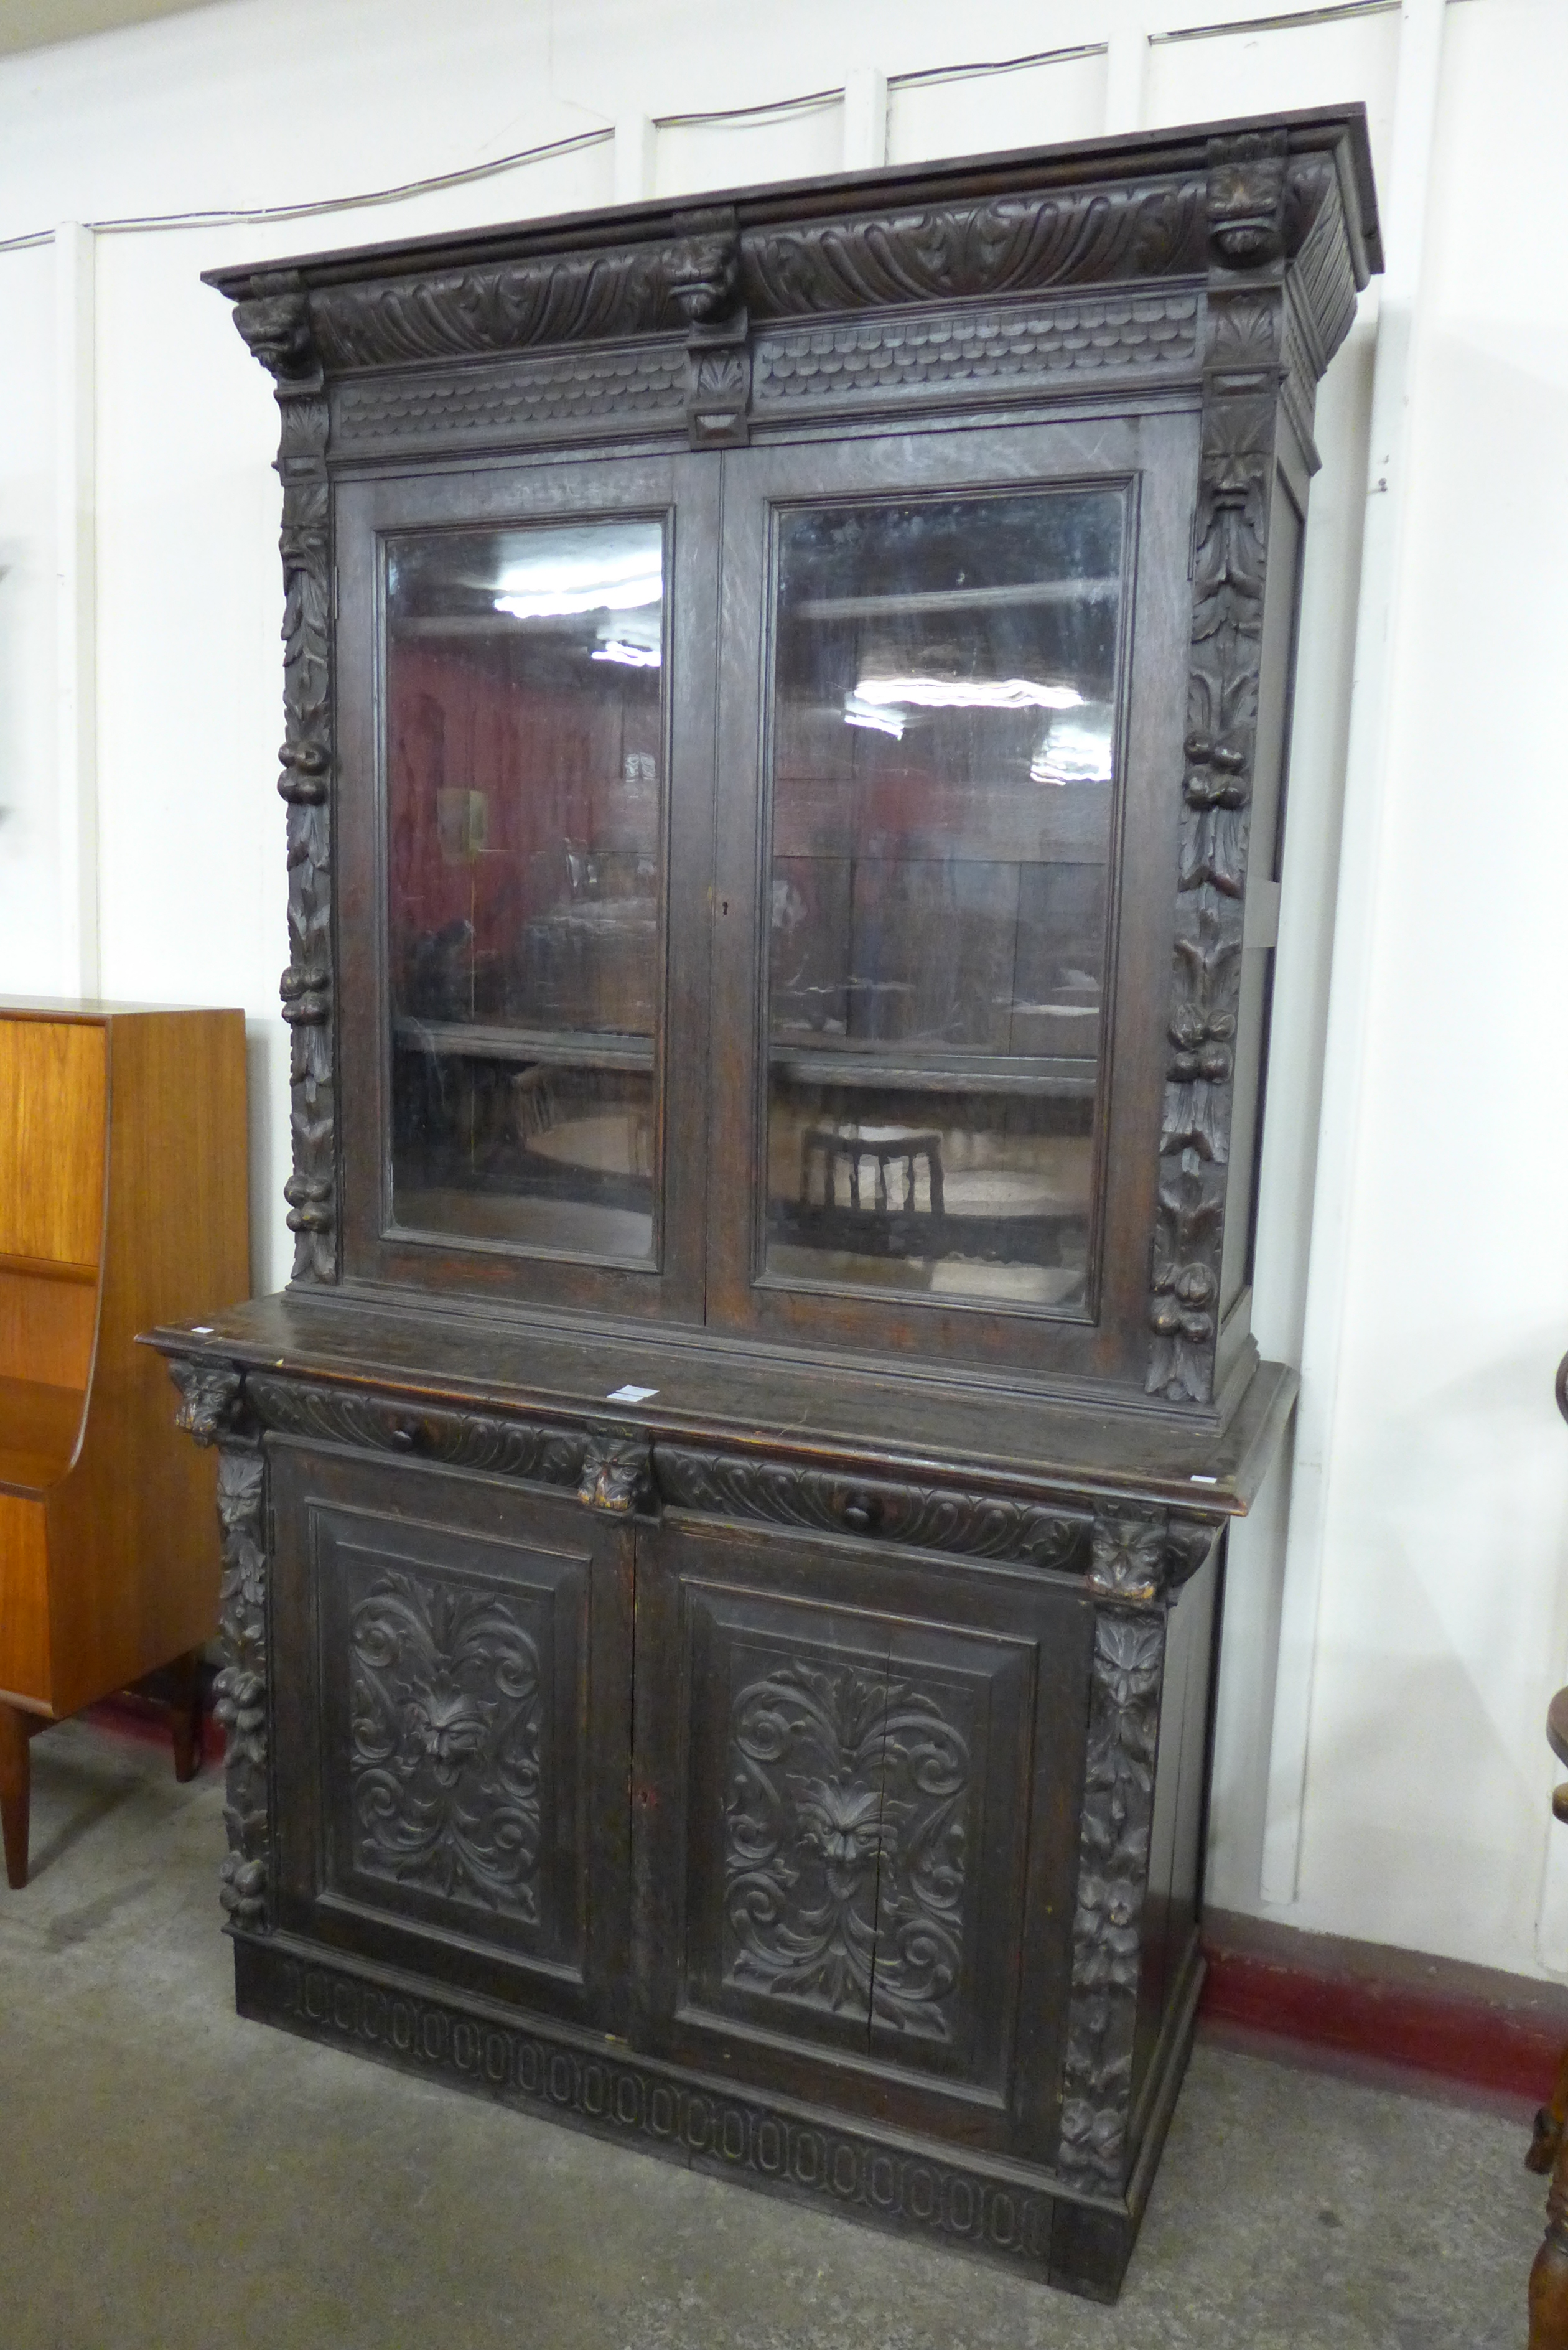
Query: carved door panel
{"x":854,"y":1782}
{"x":452,"y":1742}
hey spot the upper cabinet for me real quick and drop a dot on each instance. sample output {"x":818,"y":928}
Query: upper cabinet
{"x":786,"y":712}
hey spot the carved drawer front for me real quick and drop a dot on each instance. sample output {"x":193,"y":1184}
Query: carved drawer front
{"x":857,"y":1836}
{"x":451,"y":1785}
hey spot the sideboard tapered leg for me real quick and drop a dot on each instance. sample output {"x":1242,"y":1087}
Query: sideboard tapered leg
{"x":16,"y":1792}
{"x":185,"y":1714}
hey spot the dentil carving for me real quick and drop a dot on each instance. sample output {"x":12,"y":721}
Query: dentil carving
{"x":1113,"y":1876}
{"x":444,"y":1767}
{"x":845,"y":1834}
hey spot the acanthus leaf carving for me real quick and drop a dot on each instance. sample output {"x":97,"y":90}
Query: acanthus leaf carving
{"x":1113,"y":1880}
{"x":475,"y":1440}
{"x":982,"y":1525}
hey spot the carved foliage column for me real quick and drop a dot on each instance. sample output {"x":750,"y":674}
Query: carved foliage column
{"x":276,"y":323}
{"x":1242,"y":372}
{"x":211,"y":1410}
{"x":1140,"y":1558}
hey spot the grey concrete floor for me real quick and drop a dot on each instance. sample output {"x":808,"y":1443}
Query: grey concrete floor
{"x":175,"y":2180}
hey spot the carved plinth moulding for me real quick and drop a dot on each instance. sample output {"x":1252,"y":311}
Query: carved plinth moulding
{"x":1113,"y":1880}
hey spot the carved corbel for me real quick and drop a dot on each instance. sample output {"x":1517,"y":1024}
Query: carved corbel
{"x":617,"y":1474}
{"x":212,"y":1399}
{"x":1246,"y":199}
{"x":704,"y":278}
{"x":276,"y":323}
{"x":1127,"y":1554}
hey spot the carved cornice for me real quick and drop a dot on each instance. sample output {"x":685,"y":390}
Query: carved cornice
{"x":1113,"y":1881}
{"x":982,"y":1525}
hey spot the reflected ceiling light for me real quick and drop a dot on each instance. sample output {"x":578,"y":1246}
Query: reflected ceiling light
{"x":598,"y":595}
{"x":604,"y":579}
{"x":857,"y":712}
{"x":966,"y":693}
{"x":629,"y":656}
{"x":1074,"y":753}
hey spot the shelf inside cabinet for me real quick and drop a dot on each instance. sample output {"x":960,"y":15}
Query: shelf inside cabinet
{"x":565,"y":1047}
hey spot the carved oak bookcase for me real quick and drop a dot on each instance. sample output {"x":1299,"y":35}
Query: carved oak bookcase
{"x":786,"y":713}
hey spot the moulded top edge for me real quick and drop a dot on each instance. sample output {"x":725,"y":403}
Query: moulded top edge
{"x":1340,"y":131}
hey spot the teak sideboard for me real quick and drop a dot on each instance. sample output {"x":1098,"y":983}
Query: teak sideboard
{"x":786,"y":707}
{"x":122,"y":1200}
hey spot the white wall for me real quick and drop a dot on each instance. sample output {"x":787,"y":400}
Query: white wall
{"x":1393,"y":1784}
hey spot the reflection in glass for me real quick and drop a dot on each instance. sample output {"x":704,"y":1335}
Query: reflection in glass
{"x":524,"y":733}
{"x":944,"y":687}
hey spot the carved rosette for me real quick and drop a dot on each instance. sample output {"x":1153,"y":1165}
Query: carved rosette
{"x":276,"y":324}
{"x":1248,"y":188}
{"x":1113,"y":1879}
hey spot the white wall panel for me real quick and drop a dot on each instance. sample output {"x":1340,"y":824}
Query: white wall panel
{"x":739,"y":150}
{"x":32,"y":949}
{"x":984,"y":110}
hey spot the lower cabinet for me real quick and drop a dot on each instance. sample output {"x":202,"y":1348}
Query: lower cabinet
{"x":849,"y":1867}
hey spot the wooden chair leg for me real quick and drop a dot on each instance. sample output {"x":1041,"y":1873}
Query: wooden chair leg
{"x":1549,"y":2277}
{"x":1550,"y":2122}
{"x":15,"y":1791}
{"x":184,"y":1712}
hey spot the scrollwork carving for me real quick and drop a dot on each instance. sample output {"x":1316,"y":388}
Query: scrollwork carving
{"x":983,"y":1525}
{"x":1113,"y":1878}
{"x":846,"y":1840}
{"x":444,"y":1770}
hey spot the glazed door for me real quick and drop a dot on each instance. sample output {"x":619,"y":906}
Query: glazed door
{"x":527,"y":658}
{"x":855,"y":1825}
{"x":451,"y":1667}
{"x":950,"y":761}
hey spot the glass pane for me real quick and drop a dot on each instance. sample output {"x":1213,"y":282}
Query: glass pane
{"x":944,"y":687}
{"x":524,"y":723}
